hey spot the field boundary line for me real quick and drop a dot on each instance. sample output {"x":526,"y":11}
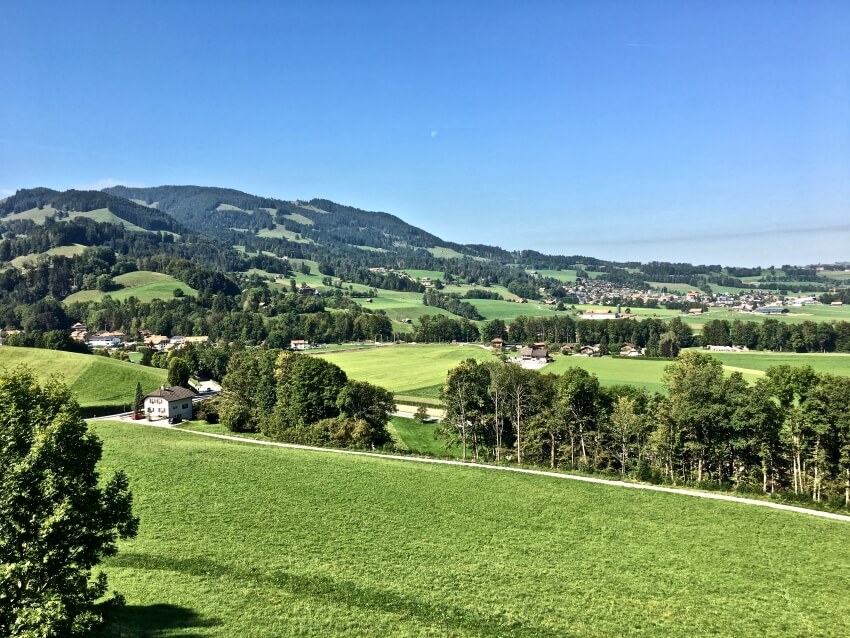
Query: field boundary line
{"x":521,"y":470}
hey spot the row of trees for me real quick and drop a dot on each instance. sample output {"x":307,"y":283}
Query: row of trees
{"x":302,"y":399}
{"x":789,"y":432}
{"x":770,"y":334}
{"x":452,"y":303}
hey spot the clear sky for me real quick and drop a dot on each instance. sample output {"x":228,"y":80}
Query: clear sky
{"x":698,"y":131}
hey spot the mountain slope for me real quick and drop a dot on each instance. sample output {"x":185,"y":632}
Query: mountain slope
{"x":99,"y":205}
{"x":216,"y":210}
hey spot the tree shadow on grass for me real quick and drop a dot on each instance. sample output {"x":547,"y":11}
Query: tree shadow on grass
{"x":149,"y":621}
{"x":449,"y":617}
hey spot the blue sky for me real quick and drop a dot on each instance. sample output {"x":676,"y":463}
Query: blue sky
{"x":695,"y":131}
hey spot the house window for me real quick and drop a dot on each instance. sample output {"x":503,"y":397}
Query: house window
{"x":185,"y":405}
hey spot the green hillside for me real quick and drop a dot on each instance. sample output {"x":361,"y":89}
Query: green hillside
{"x":142,"y":284}
{"x":99,"y":382}
{"x":241,"y":540}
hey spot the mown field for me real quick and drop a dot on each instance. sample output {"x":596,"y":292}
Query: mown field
{"x":238,"y":540}
{"x":143,"y":284}
{"x":419,"y":370}
{"x":96,"y":381}
{"x":405,"y":368}
{"x":62,"y":251}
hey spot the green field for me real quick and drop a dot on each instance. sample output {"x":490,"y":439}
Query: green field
{"x":250,"y":541}
{"x":405,"y":367}
{"x":757,"y":362}
{"x":97,"y":381}
{"x":103,"y":215}
{"x":419,"y":438}
{"x":63,"y":251}
{"x":144,"y":285}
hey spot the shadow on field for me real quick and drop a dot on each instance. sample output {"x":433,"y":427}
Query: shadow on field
{"x":447,"y":617}
{"x":147,"y":621}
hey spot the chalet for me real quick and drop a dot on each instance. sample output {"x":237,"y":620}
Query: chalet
{"x":497,"y":343}
{"x":168,"y":403}
{"x":195,"y":341}
{"x":588,"y":351}
{"x":79,"y":332}
{"x":568,"y":348}
{"x":306,"y":290}
{"x":299,"y":344}
{"x":426,"y":281}
{"x":157,"y":342}
{"x":535,"y":352}
{"x":630,"y":350}
{"x":105,"y":340}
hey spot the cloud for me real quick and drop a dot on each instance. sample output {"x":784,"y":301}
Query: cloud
{"x":435,"y":133}
{"x":105,"y":182}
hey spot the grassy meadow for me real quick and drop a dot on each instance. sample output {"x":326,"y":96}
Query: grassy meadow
{"x":405,"y":368}
{"x":144,"y":285}
{"x":98,"y":382}
{"x":250,"y":541}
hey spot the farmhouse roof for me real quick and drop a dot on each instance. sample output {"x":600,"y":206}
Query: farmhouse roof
{"x":174,"y":393}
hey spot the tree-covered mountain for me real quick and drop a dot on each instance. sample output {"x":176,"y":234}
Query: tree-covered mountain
{"x":219,"y":210}
{"x":74,"y":201}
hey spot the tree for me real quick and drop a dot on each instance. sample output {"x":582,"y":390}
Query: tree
{"x":178,"y":372}
{"x":139,"y":399}
{"x":465,"y":396}
{"x":363,"y":401}
{"x":56,"y":521}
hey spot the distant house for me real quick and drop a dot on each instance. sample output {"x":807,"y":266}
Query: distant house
{"x":105,"y":340}
{"x":599,"y":314}
{"x":630,"y":350}
{"x":497,"y":343}
{"x":568,"y":348}
{"x":426,"y":281}
{"x":157,"y":342}
{"x":836,"y":303}
{"x":167,"y":403}
{"x":695,"y":311}
{"x":588,"y":351}
{"x":306,"y":290}
{"x":79,"y":332}
{"x":197,"y":341}
{"x":771,"y":310}
{"x":535,"y":352}
{"x":299,"y":344}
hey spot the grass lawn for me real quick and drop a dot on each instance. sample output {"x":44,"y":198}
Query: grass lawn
{"x":97,"y":381}
{"x":757,"y":362}
{"x":404,"y":368}
{"x":419,"y":438}
{"x":144,"y":285}
{"x":644,"y":373}
{"x":238,"y":540}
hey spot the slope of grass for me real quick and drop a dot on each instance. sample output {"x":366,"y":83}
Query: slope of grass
{"x":63,"y":251}
{"x":832,"y":363}
{"x":144,"y":285}
{"x":98,"y":382}
{"x":405,"y":367}
{"x":420,"y":438}
{"x":238,"y":540}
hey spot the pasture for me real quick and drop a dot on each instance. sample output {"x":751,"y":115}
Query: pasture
{"x":144,"y":285}
{"x":251,"y":541}
{"x":405,"y":368}
{"x":62,"y":251}
{"x":97,"y":382}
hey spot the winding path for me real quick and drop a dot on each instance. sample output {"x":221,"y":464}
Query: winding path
{"x":500,"y":468}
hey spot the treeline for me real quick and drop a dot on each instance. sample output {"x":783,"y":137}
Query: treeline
{"x":451,"y":303}
{"x":301,"y":399}
{"x":770,"y":334}
{"x":787,"y":433}
{"x":441,"y":329}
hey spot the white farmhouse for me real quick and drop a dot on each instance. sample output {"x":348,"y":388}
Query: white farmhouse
{"x":167,"y":403}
